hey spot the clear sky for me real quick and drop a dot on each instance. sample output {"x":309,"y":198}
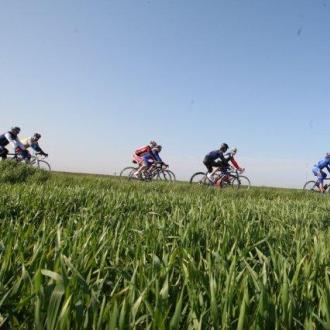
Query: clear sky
{"x":100,"y":78}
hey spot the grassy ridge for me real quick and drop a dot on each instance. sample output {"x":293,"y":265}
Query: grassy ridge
{"x":84,"y":252}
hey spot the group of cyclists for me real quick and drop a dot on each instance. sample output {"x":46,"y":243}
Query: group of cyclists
{"x":145,"y":157}
{"x":21,"y":146}
{"x":222,"y":159}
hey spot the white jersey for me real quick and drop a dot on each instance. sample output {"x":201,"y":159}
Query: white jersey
{"x":16,"y":143}
{"x":27,"y":142}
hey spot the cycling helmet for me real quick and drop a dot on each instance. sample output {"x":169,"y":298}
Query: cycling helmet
{"x":224,"y":146}
{"x":153,"y":143}
{"x":36,"y":136}
{"x":233,"y":151}
{"x":15,"y":130}
{"x":158,"y":148}
{"x":327,"y":155}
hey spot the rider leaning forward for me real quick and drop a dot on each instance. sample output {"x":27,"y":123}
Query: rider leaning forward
{"x":220,"y":159}
{"x":33,"y":142}
{"x":11,"y":137}
{"x":320,"y":174}
{"x":20,"y":147}
{"x":146,"y":156}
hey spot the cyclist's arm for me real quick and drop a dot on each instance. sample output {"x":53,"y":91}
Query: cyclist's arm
{"x":222,"y":158}
{"x":233,"y":161}
{"x":36,"y":148}
{"x":157,"y":157}
{"x":15,"y":142}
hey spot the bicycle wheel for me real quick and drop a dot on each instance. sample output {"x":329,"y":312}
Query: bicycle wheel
{"x":244,"y":182}
{"x":127,"y":171}
{"x":310,"y":186}
{"x":199,"y":178}
{"x":163,"y":175}
{"x":43,"y":165}
{"x":171,"y":174}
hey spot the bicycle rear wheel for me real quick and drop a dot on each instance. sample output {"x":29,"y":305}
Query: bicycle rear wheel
{"x":199,"y":178}
{"x":127,"y":171}
{"x":311,"y":186}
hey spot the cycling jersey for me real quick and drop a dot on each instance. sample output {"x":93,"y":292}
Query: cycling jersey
{"x":143,"y":150}
{"x":156,"y":156}
{"x":230,"y":158}
{"x":29,"y":142}
{"x":213,"y":155}
{"x":324,"y":163}
{"x":317,"y":169}
{"x":7,"y":138}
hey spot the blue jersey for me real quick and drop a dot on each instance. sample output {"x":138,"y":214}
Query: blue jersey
{"x":324,"y":163}
{"x":156,"y":156}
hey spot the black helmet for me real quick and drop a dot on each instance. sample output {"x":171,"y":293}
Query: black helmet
{"x":15,"y":130}
{"x":36,"y":136}
{"x":153,"y":143}
{"x":224,"y":146}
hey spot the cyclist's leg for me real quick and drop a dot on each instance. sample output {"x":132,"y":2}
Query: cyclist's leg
{"x":3,"y":152}
{"x":223,"y":177}
{"x":209,"y":163}
{"x":320,"y":178}
{"x":143,"y":165}
{"x":25,"y":154}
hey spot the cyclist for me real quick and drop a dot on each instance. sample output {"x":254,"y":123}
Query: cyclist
{"x":12,"y":137}
{"x":320,"y":174}
{"x":150,"y":158}
{"x":216,"y":159}
{"x":230,"y":158}
{"x":33,"y":142}
{"x":155,"y":154}
{"x":230,"y":161}
{"x":140,"y":152}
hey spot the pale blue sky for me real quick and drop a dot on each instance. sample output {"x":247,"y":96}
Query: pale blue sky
{"x":99,"y":78}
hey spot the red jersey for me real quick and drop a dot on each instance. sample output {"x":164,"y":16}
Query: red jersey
{"x":143,"y":150}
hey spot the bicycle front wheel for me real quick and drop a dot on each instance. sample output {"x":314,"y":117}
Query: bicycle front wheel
{"x":172,"y":175}
{"x":43,"y":165}
{"x":163,"y":175}
{"x":244,"y":182}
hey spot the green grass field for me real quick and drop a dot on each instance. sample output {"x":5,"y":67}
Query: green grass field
{"x":85,"y":252}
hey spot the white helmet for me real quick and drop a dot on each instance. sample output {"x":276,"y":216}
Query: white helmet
{"x":233,"y":151}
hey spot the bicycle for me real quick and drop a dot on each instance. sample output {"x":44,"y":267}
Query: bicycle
{"x":157,"y":171}
{"x":232,"y":178}
{"x":313,"y":186}
{"x":36,"y":160}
